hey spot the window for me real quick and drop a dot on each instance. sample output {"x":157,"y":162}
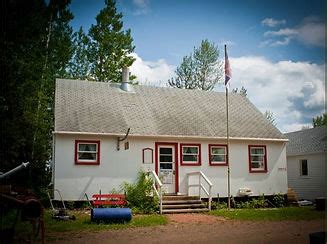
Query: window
{"x":217,"y":155}
{"x":190,"y":154}
{"x":257,"y":159}
{"x":87,"y":152}
{"x":304,"y":167}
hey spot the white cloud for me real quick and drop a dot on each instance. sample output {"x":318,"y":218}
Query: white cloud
{"x":296,"y":127}
{"x":310,"y":32}
{"x":283,"y":42}
{"x":142,"y":7}
{"x":272,"y":22}
{"x":154,"y":73}
{"x":281,"y":32}
{"x":293,"y":91}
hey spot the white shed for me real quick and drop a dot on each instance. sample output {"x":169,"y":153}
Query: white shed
{"x":306,"y":162}
{"x":172,"y":132}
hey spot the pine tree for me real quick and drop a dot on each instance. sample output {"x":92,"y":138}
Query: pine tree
{"x":200,"y":70}
{"x":242,"y":91}
{"x":79,"y":66}
{"x":110,"y":45}
{"x":319,"y":120}
{"x":35,"y":48}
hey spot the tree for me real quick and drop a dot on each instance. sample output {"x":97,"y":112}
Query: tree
{"x":110,"y":45}
{"x":242,"y":91}
{"x":35,"y":48}
{"x":270,"y":117}
{"x":319,"y":120}
{"x":79,"y":65}
{"x":200,"y":70}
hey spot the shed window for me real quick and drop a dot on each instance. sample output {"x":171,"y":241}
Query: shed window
{"x":190,"y":154}
{"x":87,"y":152}
{"x":217,"y":155}
{"x":257,"y":159}
{"x":304,"y":167}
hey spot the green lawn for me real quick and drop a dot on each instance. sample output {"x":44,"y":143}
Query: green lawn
{"x":83,"y":221}
{"x":273,"y":214}
{"x":81,"y":224}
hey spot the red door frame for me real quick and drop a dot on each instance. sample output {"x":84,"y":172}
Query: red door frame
{"x":157,"y":144}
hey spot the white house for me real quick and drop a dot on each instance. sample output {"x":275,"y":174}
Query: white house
{"x":172,"y":132}
{"x":306,"y":162}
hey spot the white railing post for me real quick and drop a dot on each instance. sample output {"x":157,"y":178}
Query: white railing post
{"x":200,"y":186}
{"x":160,"y":200}
{"x":157,"y":182}
{"x":208,"y":193}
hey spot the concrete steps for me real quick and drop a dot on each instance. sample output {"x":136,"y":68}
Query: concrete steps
{"x":182,"y":204}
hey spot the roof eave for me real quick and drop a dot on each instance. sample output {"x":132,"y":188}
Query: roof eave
{"x":171,"y":136}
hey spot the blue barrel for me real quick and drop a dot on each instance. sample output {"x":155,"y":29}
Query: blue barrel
{"x":111,"y":214}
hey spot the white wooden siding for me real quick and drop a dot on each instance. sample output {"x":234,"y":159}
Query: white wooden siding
{"x":119,"y":166}
{"x":311,"y":186}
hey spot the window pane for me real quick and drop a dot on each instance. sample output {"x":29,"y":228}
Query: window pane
{"x":166,"y":158}
{"x":257,"y":165}
{"x":87,"y":147}
{"x":166,"y":166}
{"x":192,"y":150}
{"x":190,"y":158}
{"x":218,"y":158}
{"x":217,"y":150}
{"x":304,"y":167}
{"x":257,"y":158}
{"x":259,"y":151}
{"x":165,"y":150}
{"x":87,"y":156}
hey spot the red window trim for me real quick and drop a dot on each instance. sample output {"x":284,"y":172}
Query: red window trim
{"x":190,"y":145}
{"x":226,"y":158}
{"x":265,"y":170}
{"x":97,"y":162}
{"x":147,"y":149}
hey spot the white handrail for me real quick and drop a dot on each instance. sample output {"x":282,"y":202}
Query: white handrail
{"x":157,"y":184}
{"x":207,"y":192}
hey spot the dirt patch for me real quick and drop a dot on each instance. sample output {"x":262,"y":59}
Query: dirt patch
{"x":198,"y":228}
{"x":194,"y":218}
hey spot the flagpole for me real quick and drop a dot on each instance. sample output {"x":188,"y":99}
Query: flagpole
{"x":228,"y":168}
{"x":227,"y":129}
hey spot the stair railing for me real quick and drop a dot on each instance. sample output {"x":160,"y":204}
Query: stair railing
{"x":157,"y":187}
{"x":200,"y":185}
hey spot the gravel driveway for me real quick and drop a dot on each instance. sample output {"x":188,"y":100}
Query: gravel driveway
{"x":201,"y":228}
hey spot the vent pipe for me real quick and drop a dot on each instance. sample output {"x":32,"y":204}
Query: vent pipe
{"x":125,"y":85}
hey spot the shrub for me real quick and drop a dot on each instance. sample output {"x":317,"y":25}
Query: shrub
{"x":218,"y":205}
{"x":69,"y":205}
{"x":259,"y":202}
{"x":279,"y":200}
{"x":140,"y":195}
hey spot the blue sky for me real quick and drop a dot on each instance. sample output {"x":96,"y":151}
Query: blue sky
{"x":276,"y":48}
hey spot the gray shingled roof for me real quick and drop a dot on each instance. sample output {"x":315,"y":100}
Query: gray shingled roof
{"x":96,"y":107}
{"x":306,"y":141}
